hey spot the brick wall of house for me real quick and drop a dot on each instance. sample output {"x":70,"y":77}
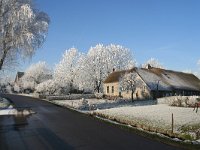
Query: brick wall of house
{"x":143,"y":93}
{"x":113,"y":89}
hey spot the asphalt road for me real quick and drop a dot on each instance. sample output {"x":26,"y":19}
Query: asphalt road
{"x":54,"y":127}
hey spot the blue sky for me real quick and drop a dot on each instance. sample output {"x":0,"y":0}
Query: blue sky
{"x":168,"y":30}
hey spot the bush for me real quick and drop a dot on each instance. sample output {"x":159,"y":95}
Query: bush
{"x":85,"y":104}
{"x":180,"y":101}
{"x":16,"y":88}
{"x":98,"y":95}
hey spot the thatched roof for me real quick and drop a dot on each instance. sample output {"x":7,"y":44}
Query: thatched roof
{"x":114,"y":76}
{"x":169,"y":80}
{"x":19,"y":75}
{"x":166,"y":80}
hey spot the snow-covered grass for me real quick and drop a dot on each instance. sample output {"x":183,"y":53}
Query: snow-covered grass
{"x":157,"y":118}
{"x":93,"y":104}
{"x":4,"y":103}
{"x":13,"y":111}
{"x":7,"y":109}
{"x":35,"y":95}
{"x":86,"y":104}
{"x":71,"y":97}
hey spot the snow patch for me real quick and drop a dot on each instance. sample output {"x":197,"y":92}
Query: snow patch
{"x":13,"y":111}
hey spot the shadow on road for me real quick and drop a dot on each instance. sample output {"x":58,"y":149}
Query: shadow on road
{"x":53,"y":140}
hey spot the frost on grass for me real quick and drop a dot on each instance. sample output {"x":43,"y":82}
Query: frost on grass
{"x":94,"y":103}
{"x":4,"y":103}
{"x":156,"y":117}
{"x":85,"y":104}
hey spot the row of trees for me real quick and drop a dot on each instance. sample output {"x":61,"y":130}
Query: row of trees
{"x":80,"y":72}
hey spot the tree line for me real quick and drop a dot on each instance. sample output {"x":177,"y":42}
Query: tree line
{"x":79,"y":72}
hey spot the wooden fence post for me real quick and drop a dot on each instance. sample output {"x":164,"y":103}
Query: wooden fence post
{"x":172,"y":123}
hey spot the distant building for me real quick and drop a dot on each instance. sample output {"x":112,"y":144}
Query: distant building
{"x":156,"y":82}
{"x":19,"y":75}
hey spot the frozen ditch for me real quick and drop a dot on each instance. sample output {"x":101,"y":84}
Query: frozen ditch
{"x":17,"y":111}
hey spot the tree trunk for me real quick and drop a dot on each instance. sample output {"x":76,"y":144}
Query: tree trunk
{"x":98,"y":85}
{"x":5,"y":51}
{"x":98,"y":88}
{"x":132,"y":92}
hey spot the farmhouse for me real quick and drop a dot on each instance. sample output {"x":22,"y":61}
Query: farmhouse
{"x":19,"y":75}
{"x":155,"y":82}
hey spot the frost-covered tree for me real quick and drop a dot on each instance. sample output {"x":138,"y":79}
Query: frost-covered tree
{"x":82,"y":80}
{"x":6,"y":83}
{"x":94,"y":67}
{"x":16,"y":88}
{"x":130,"y":81}
{"x":196,"y":72}
{"x":23,"y":29}
{"x":49,"y":87}
{"x":86,"y":72}
{"x":153,"y":63}
{"x":36,"y":74}
{"x":119,"y":57}
{"x":66,"y":71}
{"x":101,"y":60}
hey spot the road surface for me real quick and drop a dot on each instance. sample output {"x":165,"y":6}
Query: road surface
{"x":54,"y":127}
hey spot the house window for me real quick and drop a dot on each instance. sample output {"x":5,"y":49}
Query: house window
{"x":120,"y":94}
{"x":107,"y":89}
{"x":144,"y":88}
{"x":112,"y":89}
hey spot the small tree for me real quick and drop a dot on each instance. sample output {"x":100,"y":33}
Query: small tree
{"x":130,"y":81}
{"x":36,"y":74}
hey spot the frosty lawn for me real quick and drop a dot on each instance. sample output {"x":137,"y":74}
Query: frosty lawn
{"x":93,"y":104}
{"x":87,"y":104}
{"x":157,"y":118}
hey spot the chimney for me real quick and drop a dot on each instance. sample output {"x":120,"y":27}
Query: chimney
{"x":113,"y":69}
{"x":149,"y":66}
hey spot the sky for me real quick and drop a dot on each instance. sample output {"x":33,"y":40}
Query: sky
{"x":168,"y":30}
